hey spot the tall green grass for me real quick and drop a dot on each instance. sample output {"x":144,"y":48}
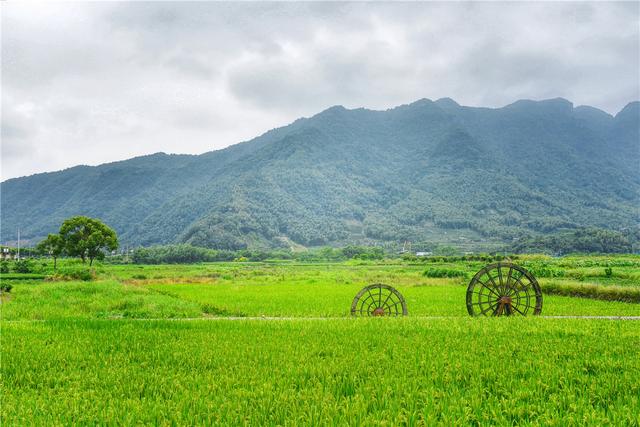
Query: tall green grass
{"x":102,"y":299}
{"x":359,"y":372}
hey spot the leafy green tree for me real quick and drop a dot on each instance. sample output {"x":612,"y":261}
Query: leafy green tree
{"x":53,"y":245}
{"x":86,"y":237}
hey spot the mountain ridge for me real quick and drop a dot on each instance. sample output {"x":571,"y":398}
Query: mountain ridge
{"x":418,"y":171}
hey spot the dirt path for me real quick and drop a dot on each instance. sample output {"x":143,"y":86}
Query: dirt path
{"x":271,"y":318}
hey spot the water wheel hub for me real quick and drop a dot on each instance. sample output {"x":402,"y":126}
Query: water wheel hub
{"x":505,"y":300}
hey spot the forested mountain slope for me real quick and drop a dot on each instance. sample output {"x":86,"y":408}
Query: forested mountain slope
{"x":428,"y":171}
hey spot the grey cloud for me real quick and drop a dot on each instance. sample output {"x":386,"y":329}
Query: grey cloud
{"x":192,"y":65}
{"x":16,"y":132}
{"x":12,"y":131}
{"x":105,"y":81}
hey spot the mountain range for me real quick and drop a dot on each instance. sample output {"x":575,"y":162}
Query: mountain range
{"x":430,"y":171}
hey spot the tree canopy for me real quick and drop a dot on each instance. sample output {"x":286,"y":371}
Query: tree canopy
{"x":87,"y":238}
{"x":53,"y":245}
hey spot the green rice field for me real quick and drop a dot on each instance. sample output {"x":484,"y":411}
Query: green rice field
{"x":273,"y":343}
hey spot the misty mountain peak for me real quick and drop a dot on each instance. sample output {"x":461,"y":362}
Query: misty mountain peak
{"x":335,"y":109}
{"x":631,"y":111}
{"x":447,"y":103}
{"x":554,"y":105}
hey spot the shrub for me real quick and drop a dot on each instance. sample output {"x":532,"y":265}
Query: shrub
{"x":577,"y":275}
{"x":542,"y":270}
{"x":590,"y":290}
{"x":23,"y":266}
{"x":6,"y":287}
{"x":444,"y":272}
{"x":362,"y":252}
{"x":23,"y":276}
{"x":472,"y":257}
{"x":75,"y":274}
{"x":4,"y":267}
{"x":608,"y":271}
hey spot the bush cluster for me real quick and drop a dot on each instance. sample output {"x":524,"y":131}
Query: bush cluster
{"x":471,"y":257}
{"x":444,"y":272}
{"x":75,"y":273}
{"x":589,"y":290}
{"x":539,"y":269}
{"x":21,"y":266}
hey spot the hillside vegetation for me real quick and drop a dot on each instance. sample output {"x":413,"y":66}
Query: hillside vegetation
{"x":428,"y":171}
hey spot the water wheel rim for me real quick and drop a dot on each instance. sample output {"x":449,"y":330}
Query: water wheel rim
{"x":492,"y":293}
{"x":379,"y":300}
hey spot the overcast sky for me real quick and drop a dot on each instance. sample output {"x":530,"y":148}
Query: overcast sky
{"x":88,"y":83}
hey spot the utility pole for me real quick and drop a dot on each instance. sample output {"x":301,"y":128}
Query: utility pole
{"x":18,"y":244}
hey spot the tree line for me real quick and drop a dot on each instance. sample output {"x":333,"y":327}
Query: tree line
{"x":90,"y":239}
{"x":185,"y":254}
{"x":585,"y":240}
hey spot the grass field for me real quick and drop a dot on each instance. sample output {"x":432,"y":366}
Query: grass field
{"x":114,"y":350}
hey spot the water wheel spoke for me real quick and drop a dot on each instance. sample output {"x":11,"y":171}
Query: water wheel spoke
{"x":388,"y":297}
{"x":483,"y":312}
{"x":367,"y":303}
{"x":502,"y":285}
{"x":495,"y":286}
{"x":517,"y":309}
{"x":393,"y":306}
{"x":387,"y":308}
{"x":509,"y":283}
{"x":522,"y":286}
{"x":485,"y":286}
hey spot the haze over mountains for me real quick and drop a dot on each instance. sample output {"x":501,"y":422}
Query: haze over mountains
{"x":423,"y":172}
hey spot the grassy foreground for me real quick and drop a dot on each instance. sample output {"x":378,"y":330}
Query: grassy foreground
{"x":113,"y":351}
{"x":314,"y":372}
